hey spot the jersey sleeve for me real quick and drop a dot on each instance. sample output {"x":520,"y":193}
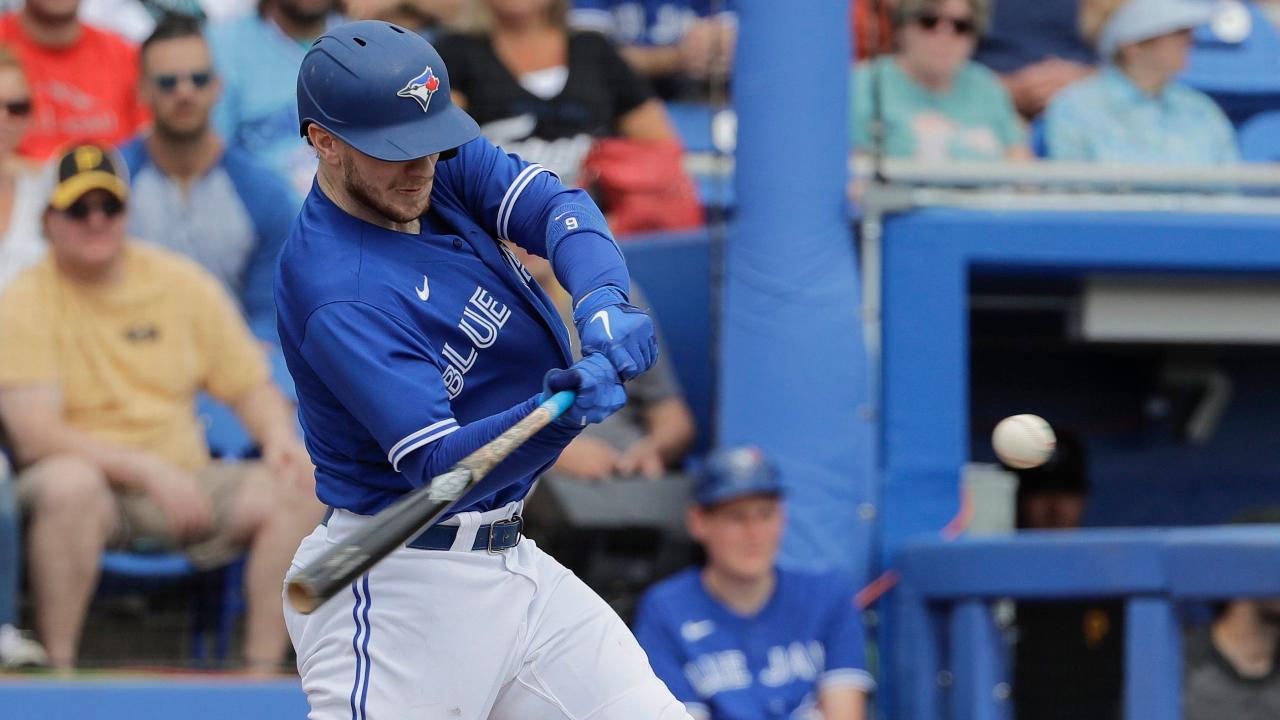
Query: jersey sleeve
{"x":528,"y":205}
{"x":845,"y":643}
{"x":655,"y":632}
{"x":388,"y":377}
{"x":272,"y":205}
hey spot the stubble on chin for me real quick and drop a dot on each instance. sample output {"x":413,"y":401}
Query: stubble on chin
{"x":367,"y":195}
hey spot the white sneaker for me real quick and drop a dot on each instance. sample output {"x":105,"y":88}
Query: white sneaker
{"x":18,"y":650}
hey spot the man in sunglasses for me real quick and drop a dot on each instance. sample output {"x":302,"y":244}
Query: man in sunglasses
{"x":195,"y":195}
{"x":106,"y":342}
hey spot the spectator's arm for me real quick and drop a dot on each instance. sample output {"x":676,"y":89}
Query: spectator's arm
{"x":842,"y":703}
{"x":266,"y":414}
{"x":273,"y":206}
{"x":670,"y":429}
{"x":648,"y":121}
{"x":268,"y":417}
{"x":654,"y":60}
{"x":32,"y":414}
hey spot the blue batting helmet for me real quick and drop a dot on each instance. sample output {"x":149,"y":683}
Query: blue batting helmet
{"x":382,"y":89}
{"x":733,"y":473}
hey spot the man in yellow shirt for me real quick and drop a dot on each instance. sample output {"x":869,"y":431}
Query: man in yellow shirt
{"x":103,"y":347}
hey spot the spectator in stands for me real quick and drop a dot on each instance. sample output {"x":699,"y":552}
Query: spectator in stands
{"x":22,"y":193}
{"x":685,"y":47}
{"x":741,"y":637}
{"x":84,"y":81}
{"x":1233,"y":666}
{"x":17,"y":650}
{"x":1134,"y":110}
{"x":1081,"y":640}
{"x":1037,"y":49}
{"x":107,"y":342}
{"x":193,"y":194}
{"x":425,"y":17}
{"x":21,"y":187}
{"x":932,"y":101}
{"x":258,"y":58}
{"x":546,"y":92}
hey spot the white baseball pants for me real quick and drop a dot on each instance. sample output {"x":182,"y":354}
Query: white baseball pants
{"x":469,"y":635}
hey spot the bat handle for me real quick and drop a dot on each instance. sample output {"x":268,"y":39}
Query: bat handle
{"x":558,"y":403}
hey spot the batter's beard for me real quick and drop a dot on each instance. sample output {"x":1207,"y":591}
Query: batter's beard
{"x":366,"y":195}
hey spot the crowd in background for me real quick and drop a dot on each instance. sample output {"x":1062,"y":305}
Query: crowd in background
{"x":158,"y":139}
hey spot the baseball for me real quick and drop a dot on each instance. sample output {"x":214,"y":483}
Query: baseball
{"x":1023,"y":441}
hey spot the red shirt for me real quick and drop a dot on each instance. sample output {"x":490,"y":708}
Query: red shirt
{"x":86,"y":91}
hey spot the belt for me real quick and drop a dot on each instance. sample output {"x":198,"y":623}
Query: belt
{"x":495,"y":537}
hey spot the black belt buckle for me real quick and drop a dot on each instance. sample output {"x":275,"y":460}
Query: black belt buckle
{"x":505,"y":534}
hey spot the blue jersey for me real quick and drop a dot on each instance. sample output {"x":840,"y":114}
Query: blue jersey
{"x":728,"y":667}
{"x":396,"y":342}
{"x":645,"y":22}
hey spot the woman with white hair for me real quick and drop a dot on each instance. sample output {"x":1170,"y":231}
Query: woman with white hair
{"x":933,"y":102}
{"x":1133,"y":110}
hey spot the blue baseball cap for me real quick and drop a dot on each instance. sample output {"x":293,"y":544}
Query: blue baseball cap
{"x":732,"y":473}
{"x":382,"y":89}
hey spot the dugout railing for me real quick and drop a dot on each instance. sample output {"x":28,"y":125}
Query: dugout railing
{"x":925,"y":231}
{"x":954,"y":658}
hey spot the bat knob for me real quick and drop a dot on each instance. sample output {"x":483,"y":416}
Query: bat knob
{"x":302,"y":597}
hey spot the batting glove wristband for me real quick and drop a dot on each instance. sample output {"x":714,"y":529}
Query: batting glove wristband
{"x":610,"y":325}
{"x":599,"y":391}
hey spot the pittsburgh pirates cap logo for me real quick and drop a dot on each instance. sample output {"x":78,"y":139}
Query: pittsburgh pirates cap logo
{"x":421,"y":88}
{"x":87,"y":157}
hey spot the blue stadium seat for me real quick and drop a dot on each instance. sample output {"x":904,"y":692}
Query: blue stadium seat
{"x":1259,"y":138}
{"x":675,"y":271}
{"x":1243,"y":77}
{"x":217,"y":598}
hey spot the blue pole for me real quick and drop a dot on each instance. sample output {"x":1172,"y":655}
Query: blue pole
{"x":793,"y":368}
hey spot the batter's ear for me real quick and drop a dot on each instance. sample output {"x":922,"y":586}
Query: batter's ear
{"x":325,"y":144}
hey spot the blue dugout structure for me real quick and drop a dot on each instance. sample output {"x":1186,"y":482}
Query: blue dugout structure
{"x":945,"y":591}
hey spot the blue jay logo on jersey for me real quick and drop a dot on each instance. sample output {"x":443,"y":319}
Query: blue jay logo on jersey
{"x":421,"y":88}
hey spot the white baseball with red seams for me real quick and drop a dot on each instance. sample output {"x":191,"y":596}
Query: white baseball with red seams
{"x":1023,"y":441}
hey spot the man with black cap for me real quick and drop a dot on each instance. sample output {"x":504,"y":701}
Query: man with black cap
{"x":740,"y":637}
{"x":106,"y":343}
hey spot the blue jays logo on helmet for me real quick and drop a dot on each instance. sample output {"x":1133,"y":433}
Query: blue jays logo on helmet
{"x":421,"y":88}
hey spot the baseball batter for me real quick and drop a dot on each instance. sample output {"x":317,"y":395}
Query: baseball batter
{"x":414,"y":338}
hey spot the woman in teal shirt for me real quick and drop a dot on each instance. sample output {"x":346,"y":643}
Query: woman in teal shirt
{"x":935,"y":102}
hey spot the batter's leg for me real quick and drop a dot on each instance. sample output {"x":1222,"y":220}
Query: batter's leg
{"x":582,"y":661}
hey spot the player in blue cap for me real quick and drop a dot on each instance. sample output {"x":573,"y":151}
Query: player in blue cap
{"x":740,"y":638}
{"x":414,"y":337}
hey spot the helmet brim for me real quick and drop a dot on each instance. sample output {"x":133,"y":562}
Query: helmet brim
{"x":418,"y":138}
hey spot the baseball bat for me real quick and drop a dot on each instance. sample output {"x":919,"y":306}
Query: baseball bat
{"x":413,"y":513}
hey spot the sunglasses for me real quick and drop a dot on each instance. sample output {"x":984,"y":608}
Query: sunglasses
{"x":17,"y":108}
{"x":81,"y":209}
{"x":168,"y":83}
{"x":961,"y":26}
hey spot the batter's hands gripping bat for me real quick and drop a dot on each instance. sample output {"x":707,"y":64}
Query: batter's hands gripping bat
{"x":412,"y":514}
